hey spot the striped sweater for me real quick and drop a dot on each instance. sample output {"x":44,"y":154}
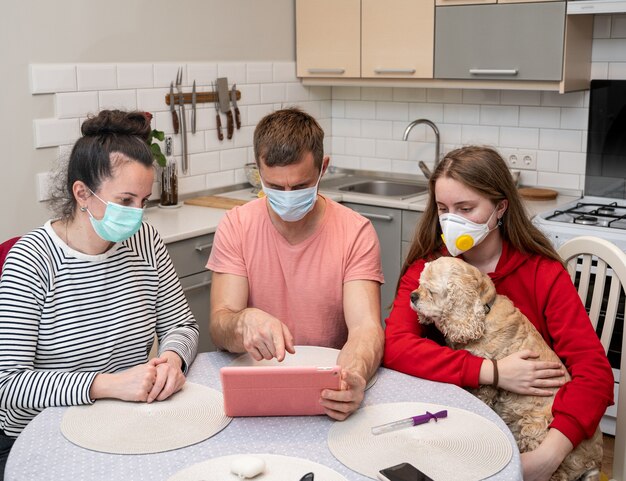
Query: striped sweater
{"x":66,"y":316}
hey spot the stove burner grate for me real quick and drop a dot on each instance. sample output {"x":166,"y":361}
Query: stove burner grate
{"x":611,"y":215}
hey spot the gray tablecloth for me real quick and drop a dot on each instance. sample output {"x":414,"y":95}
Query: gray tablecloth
{"x":42,"y":453}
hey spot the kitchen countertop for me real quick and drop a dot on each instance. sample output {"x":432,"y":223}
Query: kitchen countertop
{"x":192,"y":221}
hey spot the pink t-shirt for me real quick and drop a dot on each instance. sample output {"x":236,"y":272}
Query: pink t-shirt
{"x":302,"y":284}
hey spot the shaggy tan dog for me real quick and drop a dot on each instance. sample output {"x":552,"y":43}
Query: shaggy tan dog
{"x":463,"y":304}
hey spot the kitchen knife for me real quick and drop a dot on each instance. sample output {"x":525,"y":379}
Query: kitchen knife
{"x":233,"y":99}
{"x":218,"y":119}
{"x":173,"y":109}
{"x":223,"y":96}
{"x":193,"y":108}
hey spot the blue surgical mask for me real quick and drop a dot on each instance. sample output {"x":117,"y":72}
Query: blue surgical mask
{"x":118,"y":223}
{"x":292,"y":205}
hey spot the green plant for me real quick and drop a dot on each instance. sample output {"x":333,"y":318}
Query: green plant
{"x":157,"y":154}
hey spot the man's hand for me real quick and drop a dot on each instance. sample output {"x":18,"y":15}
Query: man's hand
{"x":340,"y":404}
{"x":264,"y":336}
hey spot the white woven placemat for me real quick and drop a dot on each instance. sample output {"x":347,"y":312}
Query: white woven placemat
{"x":304,"y":356}
{"x":464,"y":446}
{"x":277,"y":468}
{"x":193,"y":414}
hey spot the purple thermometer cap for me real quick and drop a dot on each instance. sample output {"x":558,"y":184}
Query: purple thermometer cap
{"x":424,"y":418}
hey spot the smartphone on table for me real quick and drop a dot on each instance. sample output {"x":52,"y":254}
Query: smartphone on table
{"x":402,"y":472}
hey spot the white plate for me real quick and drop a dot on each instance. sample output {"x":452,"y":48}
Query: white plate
{"x":304,"y":356}
{"x":277,"y":468}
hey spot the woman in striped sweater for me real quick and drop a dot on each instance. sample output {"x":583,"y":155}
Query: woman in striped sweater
{"x":82,"y":297}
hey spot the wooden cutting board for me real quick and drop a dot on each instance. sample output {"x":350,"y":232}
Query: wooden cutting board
{"x":535,"y":193}
{"x":215,"y":201}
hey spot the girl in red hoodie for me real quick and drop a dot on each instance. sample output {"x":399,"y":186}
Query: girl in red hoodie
{"x":473,"y":202}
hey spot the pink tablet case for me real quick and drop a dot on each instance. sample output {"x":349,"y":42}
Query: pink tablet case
{"x":276,"y":390}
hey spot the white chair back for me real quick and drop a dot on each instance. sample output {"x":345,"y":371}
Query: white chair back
{"x":600,"y":257}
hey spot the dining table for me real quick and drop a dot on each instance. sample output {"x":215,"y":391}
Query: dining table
{"x":41,"y":452}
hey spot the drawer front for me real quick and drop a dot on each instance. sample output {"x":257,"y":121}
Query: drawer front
{"x":190,"y":255}
{"x":522,"y":41}
{"x":410,"y":220}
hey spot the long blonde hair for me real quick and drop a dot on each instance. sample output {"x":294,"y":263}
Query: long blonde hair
{"x":483,"y":170}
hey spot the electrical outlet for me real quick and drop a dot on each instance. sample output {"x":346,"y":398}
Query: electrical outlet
{"x":523,"y":159}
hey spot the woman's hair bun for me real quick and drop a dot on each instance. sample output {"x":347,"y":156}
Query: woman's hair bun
{"x":117,"y":122}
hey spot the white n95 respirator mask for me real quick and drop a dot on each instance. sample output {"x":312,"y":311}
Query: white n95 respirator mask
{"x":460,"y":234}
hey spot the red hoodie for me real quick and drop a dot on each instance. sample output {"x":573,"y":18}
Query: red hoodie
{"x":542,"y":289}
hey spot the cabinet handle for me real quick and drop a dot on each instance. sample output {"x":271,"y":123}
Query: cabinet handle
{"x":408,"y":71}
{"x":202,"y":247}
{"x":193,"y":287}
{"x":367,"y":215}
{"x":493,"y":71}
{"x":327,"y":70}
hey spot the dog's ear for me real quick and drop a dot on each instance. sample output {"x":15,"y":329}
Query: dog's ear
{"x":465,"y":312}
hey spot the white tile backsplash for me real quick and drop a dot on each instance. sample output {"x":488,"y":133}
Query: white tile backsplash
{"x":357,"y":109}
{"x":259,"y":72}
{"x":480,"y":135}
{"x":54,"y":132}
{"x":272,"y":93}
{"x":203,"y":73}
{"x":392,"y":111}
{"x":135,"y":75}
{"x":75,"y":104}
{"x":284,"y":72}
{"x":234,"y":71}
{"x":519,"y":137}
{"x":96,"y":76}
{"x":499,"y":115}
{"x":376,"y":129}
{"x":52,"y":78}
{"x":118,"y":99}
{"x":541,"y":117}
{"x":553,"y":139}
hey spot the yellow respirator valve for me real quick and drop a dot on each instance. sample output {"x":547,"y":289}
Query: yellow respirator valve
{"x":464,"y":242}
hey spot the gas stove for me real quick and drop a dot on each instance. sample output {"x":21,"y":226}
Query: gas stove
{"x":598,"y":216}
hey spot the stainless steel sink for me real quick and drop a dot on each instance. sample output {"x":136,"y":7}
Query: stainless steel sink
{"x":386,"y":188}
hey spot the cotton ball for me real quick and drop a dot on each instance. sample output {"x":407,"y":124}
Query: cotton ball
{"x":247,"y":466}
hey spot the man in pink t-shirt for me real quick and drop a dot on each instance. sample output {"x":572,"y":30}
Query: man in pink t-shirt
{"x":297,"y":268}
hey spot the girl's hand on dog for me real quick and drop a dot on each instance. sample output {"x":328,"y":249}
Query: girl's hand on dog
{"x":264,"y":336}
{"x":521,"y":374}
{"x":340,"y":404}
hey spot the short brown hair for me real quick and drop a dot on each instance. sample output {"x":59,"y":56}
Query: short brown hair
{"x":285,"y":136}
{"x":483,"y":170}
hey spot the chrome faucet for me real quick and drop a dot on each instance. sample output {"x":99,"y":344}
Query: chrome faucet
{"x":431,"y":124}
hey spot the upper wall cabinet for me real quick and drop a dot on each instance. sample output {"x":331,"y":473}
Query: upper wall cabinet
{"x":397,"y":38}
{"x":328,"y":38}
{"x":441,"y":3}
{"x":499,"y":44}
{"x":365,"y":38}
{"x":519,"y":41}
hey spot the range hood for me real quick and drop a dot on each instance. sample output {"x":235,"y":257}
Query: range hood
{"x":589,"y":7}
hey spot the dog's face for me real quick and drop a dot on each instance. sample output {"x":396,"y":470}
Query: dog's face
{"x":452,"y":295}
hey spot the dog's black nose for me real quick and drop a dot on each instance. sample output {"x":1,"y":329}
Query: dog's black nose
{"x":414,"y":297}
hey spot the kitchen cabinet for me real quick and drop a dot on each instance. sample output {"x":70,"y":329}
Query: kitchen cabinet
{"x":521,"y":41}
{"x":487,"y":44}
{"x":410,"y":218}
{"x":365,"y":38}
{"x":397,"y":38}
{"x":328,"y":38}
{"x":483,"y":2}
{"x":189,"y":257}
{"x":392,"y":227}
